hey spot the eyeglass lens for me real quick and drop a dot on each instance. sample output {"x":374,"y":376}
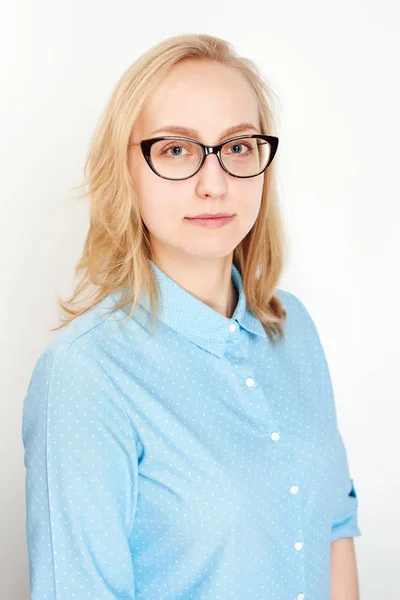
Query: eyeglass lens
{"x":178,"y":159}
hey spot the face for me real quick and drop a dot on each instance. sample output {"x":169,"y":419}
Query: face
{"x":210,"y":98}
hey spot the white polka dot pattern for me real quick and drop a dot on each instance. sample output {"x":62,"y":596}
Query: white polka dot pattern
{"x":199,"y":463}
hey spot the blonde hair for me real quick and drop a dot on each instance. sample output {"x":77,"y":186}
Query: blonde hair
{"x":117,"y":250}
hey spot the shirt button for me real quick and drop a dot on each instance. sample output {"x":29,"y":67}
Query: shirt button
{"x":250,"y":381}
{"x":294,"y":489}
{"x":298,"y":545}
{"x":275,"y":436}
{"x":300,"y":597}
{"x":232,"y":327}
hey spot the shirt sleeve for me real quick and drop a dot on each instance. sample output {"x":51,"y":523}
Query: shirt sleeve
{"x":345,"y":520}
{"x":344,"y":500}
{"x":81,"y":481}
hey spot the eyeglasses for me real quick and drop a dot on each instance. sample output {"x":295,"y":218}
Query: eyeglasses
{"x":178,"y":158}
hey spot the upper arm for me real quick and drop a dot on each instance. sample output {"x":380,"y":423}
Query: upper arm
{"x":344,"y":498}
{"x":81,"y":481}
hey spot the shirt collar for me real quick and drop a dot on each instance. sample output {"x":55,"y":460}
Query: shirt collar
{"x":195,"y":320}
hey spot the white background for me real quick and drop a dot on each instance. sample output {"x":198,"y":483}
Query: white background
{"x":335,"y":67}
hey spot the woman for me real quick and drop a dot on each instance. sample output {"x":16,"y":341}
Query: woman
{"x":199,"y":457}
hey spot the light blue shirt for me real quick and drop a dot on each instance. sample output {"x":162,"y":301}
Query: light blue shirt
{"x":199,"y":463}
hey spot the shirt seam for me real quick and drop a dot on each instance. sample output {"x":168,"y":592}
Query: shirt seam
{"x":47,"y":472}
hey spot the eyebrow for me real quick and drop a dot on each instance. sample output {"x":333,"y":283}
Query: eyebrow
{"x":189,"y":132}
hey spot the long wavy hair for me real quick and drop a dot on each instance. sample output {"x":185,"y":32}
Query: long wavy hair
{"x":116,"y":252}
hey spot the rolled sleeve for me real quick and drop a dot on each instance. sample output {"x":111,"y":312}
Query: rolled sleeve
{"x":345,"y":518}
{"x":81,"y":481}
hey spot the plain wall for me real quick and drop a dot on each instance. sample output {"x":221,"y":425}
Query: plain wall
{"x":335,"y":68}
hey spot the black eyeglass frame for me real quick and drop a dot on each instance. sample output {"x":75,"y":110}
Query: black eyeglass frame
{"x":147,"y":144}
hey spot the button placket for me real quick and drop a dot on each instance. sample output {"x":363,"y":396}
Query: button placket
{"x":294,"y":489}
{"x":233,"y":334}
{"x":299,"y":544}
{"x":257,"y":405}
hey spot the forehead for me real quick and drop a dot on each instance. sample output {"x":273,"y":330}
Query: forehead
{"x":203,"y":95}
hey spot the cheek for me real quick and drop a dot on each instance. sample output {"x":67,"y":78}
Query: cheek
{"x":249,"y":201}
{"x":161,"y":206}
{"x":256,"y":189}
{"x":154,"y":197}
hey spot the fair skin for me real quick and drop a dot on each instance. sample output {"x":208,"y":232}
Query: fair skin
{"x":209,"y":98}
{"x":344,"y":577}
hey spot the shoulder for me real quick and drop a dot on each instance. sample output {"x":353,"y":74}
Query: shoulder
{"x":300,"y":325}
{"x":75,"y":343}
{"x":294,"y":306}
{"x":70,"y":367}
{"x":84,"y":328}
{"x":71,"y":394}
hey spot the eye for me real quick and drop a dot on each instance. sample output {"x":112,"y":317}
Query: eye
{"x":174,"y":147}
{"x":239,"y":145}
{"x":240,"y":148}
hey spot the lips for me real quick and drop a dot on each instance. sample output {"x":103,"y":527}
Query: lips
{"x":209,"y":216}
{"x":211,"y":222}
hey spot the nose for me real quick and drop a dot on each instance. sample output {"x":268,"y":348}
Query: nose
{"x":212,"y":178}
{"x":213,"y":160}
